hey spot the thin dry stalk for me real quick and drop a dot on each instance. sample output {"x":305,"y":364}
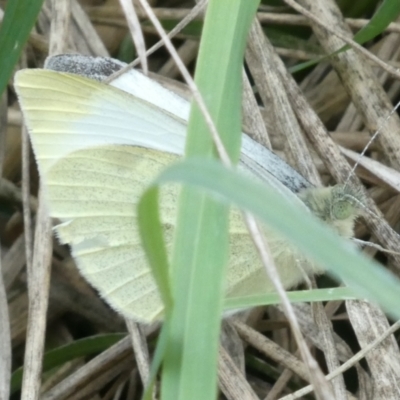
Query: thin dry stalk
{"x":38,"y":289}
{"x":252,"y":116}
{"x":274,"y":96}
{"x":185,"y":21}
{"x":370,"y":323}
{"x":231,"y":380}
{"x":95,"y":373}
{"x":59,"y":27}
{"x":13,"y":261}
{"x":136,"y":32}
{"x":5,"y":335}
{"x":39,"y":274}
{"x":86,"y":39}
{"x":329,"y":348}
{"x":348,"y":364}
{"x":104,"y":13}
{"x":26,"y":206}
{"x":139,"y":345}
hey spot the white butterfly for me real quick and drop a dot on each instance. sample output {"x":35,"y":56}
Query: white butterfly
{"x":97,"y":147}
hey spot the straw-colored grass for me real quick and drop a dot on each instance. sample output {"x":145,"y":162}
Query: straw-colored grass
{"x":47,"y":308}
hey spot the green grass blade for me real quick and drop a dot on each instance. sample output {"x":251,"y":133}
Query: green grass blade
{"x":153,"y":243}
{"x":386,"y":13}
{"x":298,"y":296}
{"x":19,"y":18}
{"x":366,"y":278}
{"x":79,"y":348}
{"x":158,"y":358}
{"x":201,"y":241}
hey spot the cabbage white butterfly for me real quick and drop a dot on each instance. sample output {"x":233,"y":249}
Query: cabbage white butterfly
{"x":97,"y":146}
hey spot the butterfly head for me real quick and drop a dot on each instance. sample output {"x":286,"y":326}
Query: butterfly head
{"x":338,"y":206}
{"x":346,"y":202}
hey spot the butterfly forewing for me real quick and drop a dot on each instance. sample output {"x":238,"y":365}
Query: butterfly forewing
{"x":97,"y":148}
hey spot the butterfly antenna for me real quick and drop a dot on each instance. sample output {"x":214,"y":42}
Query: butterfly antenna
{"x":359,"y":199}
{"x":373,"y":137}
{"x":356,"y":200}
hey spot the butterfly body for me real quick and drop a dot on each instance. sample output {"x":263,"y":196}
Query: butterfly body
{"x":338,"y":206}
{"x":97,"y":148}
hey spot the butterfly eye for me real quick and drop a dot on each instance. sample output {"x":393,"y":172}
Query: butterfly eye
{"x":342,"y":209}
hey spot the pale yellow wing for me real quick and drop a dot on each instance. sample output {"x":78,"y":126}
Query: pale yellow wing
{"x":86,"y":139}
{"x":97,"y":148}
{"x":66,"y":112}
{"x":95,"y":192}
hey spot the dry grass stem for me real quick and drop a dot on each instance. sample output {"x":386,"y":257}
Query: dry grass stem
{"x":5,"y":334}
{"x":319,"y":119}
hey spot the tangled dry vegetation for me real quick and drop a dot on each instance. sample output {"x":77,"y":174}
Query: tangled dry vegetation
{"x":352,"y":98}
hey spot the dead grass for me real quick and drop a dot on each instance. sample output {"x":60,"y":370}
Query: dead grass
{"x":349,"y":97}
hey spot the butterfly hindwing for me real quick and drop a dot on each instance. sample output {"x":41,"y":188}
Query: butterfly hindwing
{"x":97,"y":148}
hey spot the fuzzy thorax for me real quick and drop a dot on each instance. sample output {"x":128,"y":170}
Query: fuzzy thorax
{"x":337,"y":205}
